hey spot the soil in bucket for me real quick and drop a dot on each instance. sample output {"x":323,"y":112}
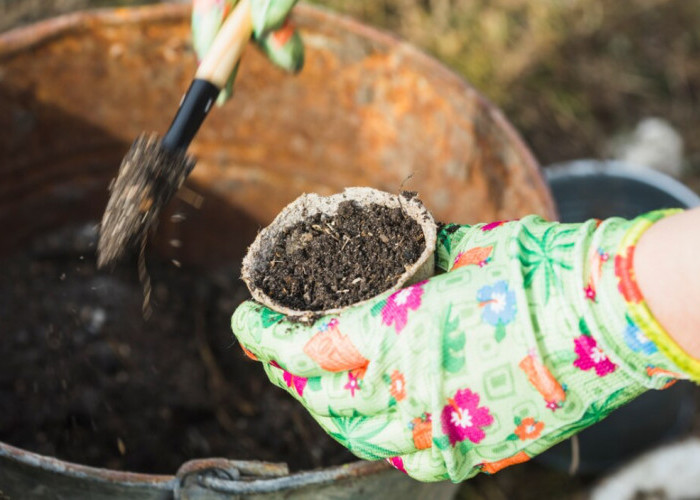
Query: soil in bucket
{"x":331,"y":261}
{"x":85,"y":378}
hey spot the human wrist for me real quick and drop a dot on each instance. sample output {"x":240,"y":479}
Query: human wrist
{"x":666,"y":270}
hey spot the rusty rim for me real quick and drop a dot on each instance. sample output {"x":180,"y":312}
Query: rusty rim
{"x":243,"y":477}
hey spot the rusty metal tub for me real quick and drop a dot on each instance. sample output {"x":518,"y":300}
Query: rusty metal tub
{"x":368,"y":109}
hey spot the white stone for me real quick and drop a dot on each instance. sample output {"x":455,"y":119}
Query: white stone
{"x":654,"y":143}
{"x":671,"y":472}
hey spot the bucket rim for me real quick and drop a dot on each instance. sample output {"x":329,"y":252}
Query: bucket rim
{"x":622,"y":170}
{"x":268,"y":479}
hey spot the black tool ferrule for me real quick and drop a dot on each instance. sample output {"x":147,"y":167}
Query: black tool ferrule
{"x":194,"y":107}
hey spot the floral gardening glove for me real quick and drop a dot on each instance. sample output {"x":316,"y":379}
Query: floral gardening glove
{"x":271,"y":31}
{"x":536,"y":331}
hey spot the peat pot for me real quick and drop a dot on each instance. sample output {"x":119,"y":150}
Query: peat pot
{"x":585,"y":189}
{"x":367,"y":110}
{"x":311,"y":204}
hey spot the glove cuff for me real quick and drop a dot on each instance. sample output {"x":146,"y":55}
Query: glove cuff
{"x":636,"y":342}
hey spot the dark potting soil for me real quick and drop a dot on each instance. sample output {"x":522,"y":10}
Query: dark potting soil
{"x":86,"y":379}
{"x":329,"y":261}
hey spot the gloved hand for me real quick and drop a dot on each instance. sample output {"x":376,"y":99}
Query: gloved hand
{"x":271,"y":31}
{"x":536,"y":331}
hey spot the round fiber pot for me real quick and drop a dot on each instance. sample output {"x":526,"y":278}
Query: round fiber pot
{"x":588,"y":189}
{"x":310,"y":205}
{"x":367,"y":110}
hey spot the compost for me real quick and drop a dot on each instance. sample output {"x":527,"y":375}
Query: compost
{"x":329,"y":261}
{"x":86,"y":379}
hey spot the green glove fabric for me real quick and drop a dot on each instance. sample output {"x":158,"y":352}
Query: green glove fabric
{"x":536,"y":331}
{"x":271,"y":31}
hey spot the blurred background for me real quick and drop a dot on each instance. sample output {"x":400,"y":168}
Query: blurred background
{"x":574,"y":77}
{"x":577,"y":78}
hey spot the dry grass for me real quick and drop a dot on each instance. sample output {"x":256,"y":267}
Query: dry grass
{"x":567,"y":73}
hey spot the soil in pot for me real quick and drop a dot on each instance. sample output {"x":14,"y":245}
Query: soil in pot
{"x":330,"y":261}
{"x":84,"y":378}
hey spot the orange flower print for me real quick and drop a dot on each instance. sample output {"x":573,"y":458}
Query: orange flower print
{"x":529,"y":428}
{"x":624,"y":270}
{"x":673,"y":376}
{"x":249,"y":353}
{"x":543,"y":380}
{"x":479,"y":256}
{"x":359,"y":373}
{"x":422,"y":428}
{"x":493,"y":467}
{"x":333,"y":351}
{"x":655,"y":370}
{"x":398,"y":385}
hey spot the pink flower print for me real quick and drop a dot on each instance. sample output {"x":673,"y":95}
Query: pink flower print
{"x":399,"y":303}
{"x":591,"y":356}
{"x":397,"y":462}
{"x":353,"y":383}
{"x":329,"y":325}
{"x":299,"y":383}
{"x":597,"y":258}
{"x":493,"y":225}
{"x":552,"y":405}
{"x":463,"y":418}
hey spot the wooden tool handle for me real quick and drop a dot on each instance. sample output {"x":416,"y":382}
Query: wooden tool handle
{"x":211,"y":76}
{"x":228,"y":46}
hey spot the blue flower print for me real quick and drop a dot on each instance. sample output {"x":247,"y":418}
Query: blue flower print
{"x":499,"y":306}
{"x":637,"y":341}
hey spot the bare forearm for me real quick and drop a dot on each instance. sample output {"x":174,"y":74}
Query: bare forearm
{"x":667,"y":267}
